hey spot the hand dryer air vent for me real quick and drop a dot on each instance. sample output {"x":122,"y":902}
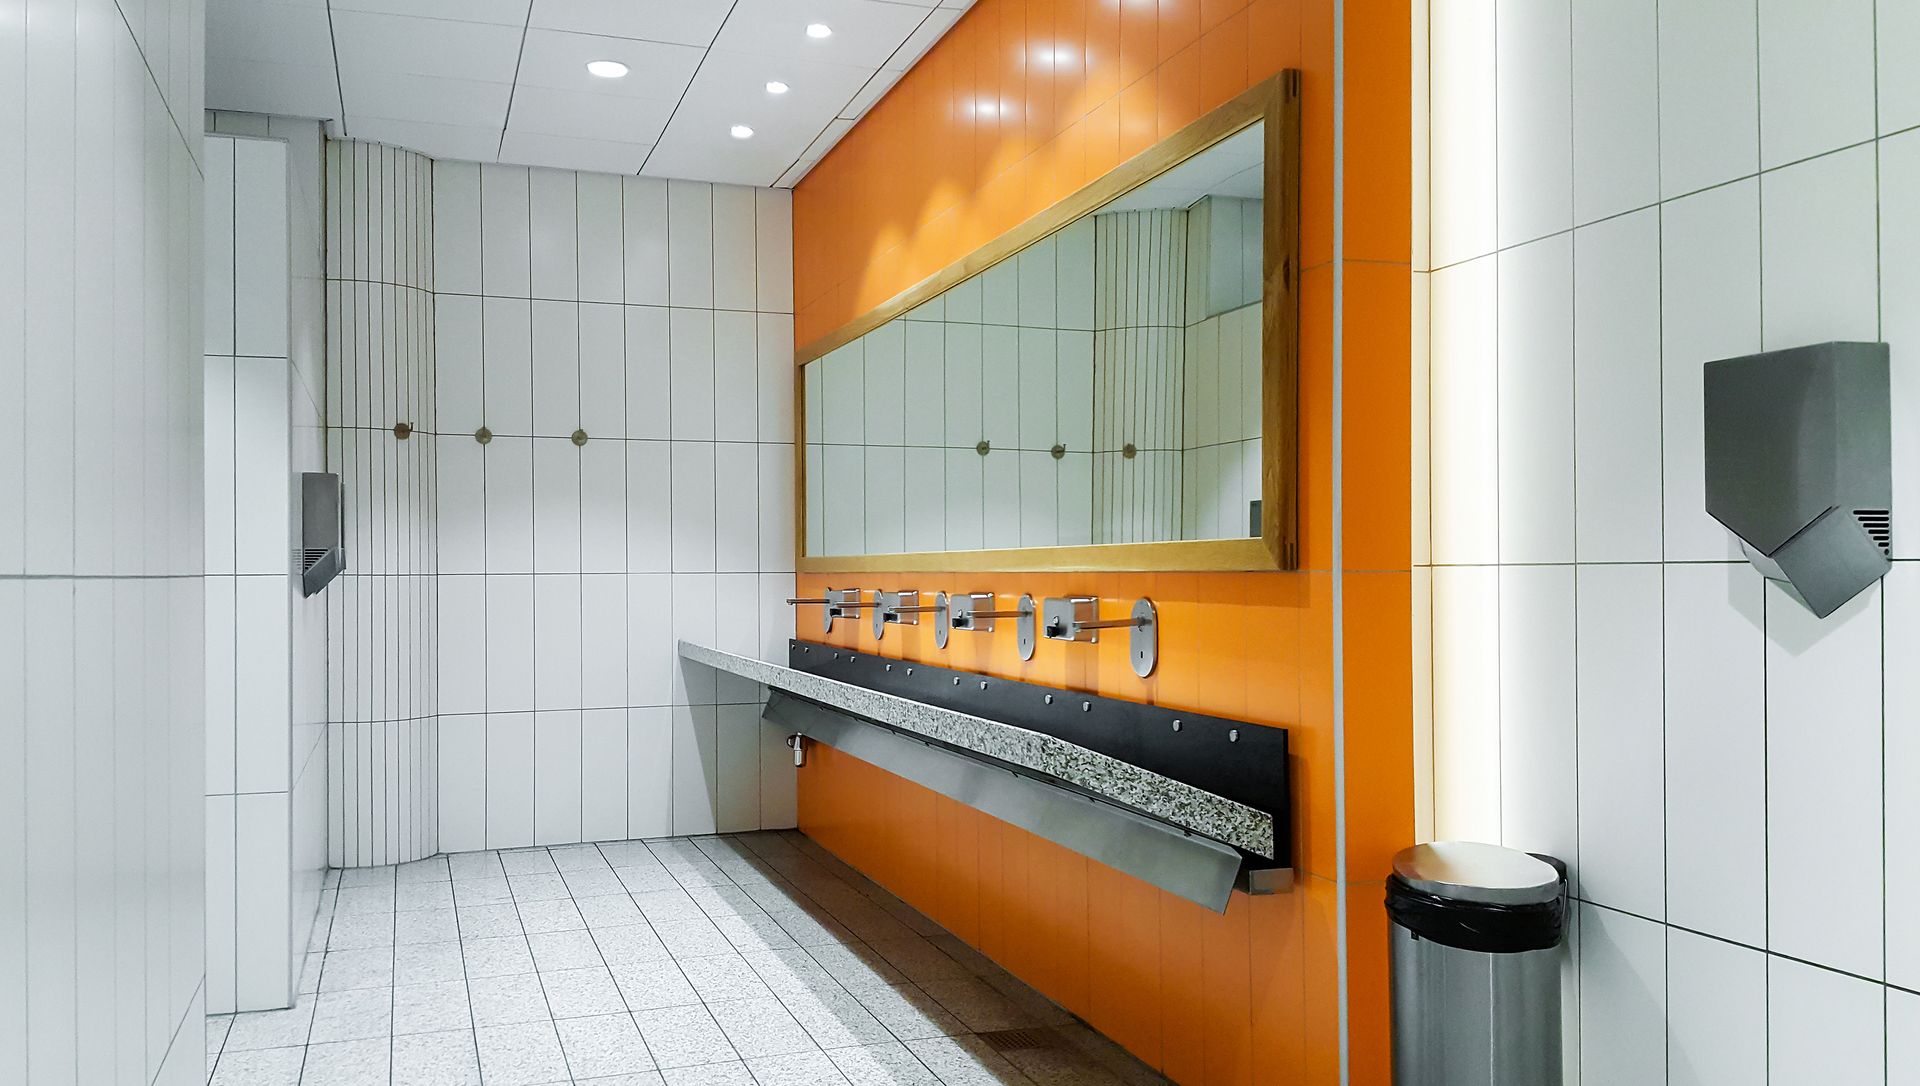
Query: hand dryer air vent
{"x":1800,"y":465}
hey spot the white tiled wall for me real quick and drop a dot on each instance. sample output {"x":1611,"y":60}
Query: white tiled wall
{"x":1621,"y":192}
{"x":266,"y":646}
{"x":656,"y":318}
{"x":383,"y":733}
{"x":101,"y":545}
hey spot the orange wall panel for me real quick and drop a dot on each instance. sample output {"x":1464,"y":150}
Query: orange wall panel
{"x":1022,"y":103}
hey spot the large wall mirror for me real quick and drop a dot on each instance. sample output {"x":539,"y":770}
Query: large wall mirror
{"x":1110,"y":386}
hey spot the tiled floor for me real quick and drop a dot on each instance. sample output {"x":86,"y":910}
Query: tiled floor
{"x":754,"y":960}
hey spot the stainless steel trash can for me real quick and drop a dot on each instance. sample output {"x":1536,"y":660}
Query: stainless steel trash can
{"x":1476,"y":933}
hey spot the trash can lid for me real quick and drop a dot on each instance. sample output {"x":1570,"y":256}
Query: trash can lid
{"x":1474,"y":871}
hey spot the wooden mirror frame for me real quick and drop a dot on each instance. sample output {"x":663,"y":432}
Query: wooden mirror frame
{"x":1275,"y":101}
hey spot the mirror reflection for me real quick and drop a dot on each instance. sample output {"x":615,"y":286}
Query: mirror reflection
{"x":1101,"y":386}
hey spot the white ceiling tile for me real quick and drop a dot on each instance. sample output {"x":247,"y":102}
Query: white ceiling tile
{"x":683,"y":22}
{"x":865,"y":32}
{"x":287,"y":89}
{"x":558,"y":59}
{"x":561,"y":152}
{"x":498,"y":12}
{"x":405,"y":45}
{"x":600,"y":117}
{"x":432,"y":140}
{"x":937,"y":23}
{"x":268,"y":32}
{"x":731,"y":89}
{"x":399,"y":97}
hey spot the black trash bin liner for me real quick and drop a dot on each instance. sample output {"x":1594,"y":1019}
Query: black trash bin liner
{"x":1478,"y":925}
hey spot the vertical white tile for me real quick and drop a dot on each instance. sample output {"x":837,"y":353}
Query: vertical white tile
{"x":1900,"y":323}
{"x":260,"y":248}
{"x":1616,"y":389}
{"x":456,"y":227}
{"x":262,"y":904}
{"x":1709,"y":94}
{"x":1623,"y":998}
{"x":1075,"y":525}
{"x":262,"y":702}
{"x":509,"y":644}
{"x":1902,"y":737}
{"x":926,"y":500}
{"x":1074,"y":385}
{"x":649,"y":506}
{"x":775,"y":470}
{"x":737,"y":759}
{"x":1462,"y":108}
{"x":261,"y":470}
{"x":779,"y":780}
{"x":695,"y":768}
{"x":1616,"y":111}
{"x":650,"y":763}
{"x":844,"y":508}
{"x":556,"y":506}
{"x":690,"y":362}
{"x":1716,"y":751}
{"x":1038,"y":403}
{"x":736,"y":363}
{"x":221,"y":873}
{"x":884,"y":508}
{"x":1000,"y":485}
{"x":1621,"y":792}
{"x":1039,"y":499}
{"x":965,"y":483}
{"x":556,"y":642}
{"x":1824,"y":734}
{"x":690,"y":243}
{"x":603,"y":640}
{"x":1709,"y":309}
{"x":599,"y":230}
{"x":645,"y":251}
{"x":963,"y":386}
{"x":773,"y":348}
{"x":1465,"y":454}
{"x":220,"y":684}
{"x":737,"y":504}
{"x":735,"y":281}
{"x":773,"y":249}
{"x":1466,"y":704}
{"x":1535,"y":402}
{"x":217,"y":324}
{"x":649,"y":381}
{"x":459,"y":404}
{"x":1534,"y":138}
{"x":506,"y":247}
{"x":884,"y":378}
{"x":962,"y":301}
{"x":692,"y":601}
{"x":999,"y":386}
{"x":1075,"y":268}
{"x":1539,"y":766}
{"x":462,"y":643}
{"x":218,"y":464}
{"x":603,"y":507}
{"x":509,"y":780}
{"x":693,"y":506}
{"x":1800,"y":116}
{"x":509,"y":514}
{"x":553,"y":218}
{"x":1818,"y":251}
{"x":462,"y":783}
{"x":556,"y":777}
{"x":603,"y":774}
{"x":650,"y":643}
{"x":1823,"y":1026}
{"x":506,"y":349}
{"x":1039,"y":285}
{"x":1903,"y":1038}
{"x":1716,"y":1012}
{"x":556,"y":368}
{"x":1000,"y":294}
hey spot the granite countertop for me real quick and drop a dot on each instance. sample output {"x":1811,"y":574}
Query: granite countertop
{"x":1124,"y":783}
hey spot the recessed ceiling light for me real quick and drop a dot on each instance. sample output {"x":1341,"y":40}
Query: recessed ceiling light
{"x":741,"y":132}
{"x":607,"y":69}
{"x":819,"y":30}
{"x":774,"y":86}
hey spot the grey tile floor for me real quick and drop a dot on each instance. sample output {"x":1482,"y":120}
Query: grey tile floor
{"x":749,"y":960}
